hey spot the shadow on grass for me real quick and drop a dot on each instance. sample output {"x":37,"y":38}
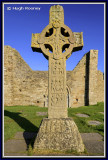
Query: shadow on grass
{"x":31,"y":130}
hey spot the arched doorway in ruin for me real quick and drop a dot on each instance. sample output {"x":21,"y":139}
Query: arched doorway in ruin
{"x":68,"y":96}
{"x":46,"y":98}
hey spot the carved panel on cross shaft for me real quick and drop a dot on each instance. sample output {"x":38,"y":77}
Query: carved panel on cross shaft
{"x":57,"y":85}
{"x":57,"y":99}
{"x":57,"y":67}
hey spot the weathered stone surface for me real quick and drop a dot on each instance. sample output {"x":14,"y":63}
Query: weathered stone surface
{"x":91,"y":137}
{"x":101,"y":112}
{"x":82,"y":115}
{"x":93,"y":142}
{"x":22,"y":86}
{"x":15,"y":145}
{"x":95,"y":147}
{"x":59,"y":134}
{"x":94,"y":123}
{"x":92,"y":73}
{"x":41,"y":113}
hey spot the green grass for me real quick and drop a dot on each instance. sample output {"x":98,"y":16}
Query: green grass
{"x":93,"y":112}
{"x":21,"y":118}
{"x":24,"y":118}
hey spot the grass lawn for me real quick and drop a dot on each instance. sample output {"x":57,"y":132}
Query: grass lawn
{"x":93,"y":112}
{"x":24,"y":118}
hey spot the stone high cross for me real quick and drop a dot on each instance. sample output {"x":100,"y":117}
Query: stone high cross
{"x":57,"y":42}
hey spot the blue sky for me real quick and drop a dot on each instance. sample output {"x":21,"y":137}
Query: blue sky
{"x":20,"y":24}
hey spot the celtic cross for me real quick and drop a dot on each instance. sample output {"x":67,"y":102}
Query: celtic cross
{"x":57,"y":42}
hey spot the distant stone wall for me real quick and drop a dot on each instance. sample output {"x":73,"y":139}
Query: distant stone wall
{"x":77,"y":84}
{"x":22,"y":86}
{"x":100,"y":86}
{"x":93,"y":77}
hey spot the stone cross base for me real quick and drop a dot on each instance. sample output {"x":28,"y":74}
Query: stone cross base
{"x":59,"y":134}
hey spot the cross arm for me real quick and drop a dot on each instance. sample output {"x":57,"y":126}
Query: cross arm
{"x":34,"y":43}
{"x":79,"y":41}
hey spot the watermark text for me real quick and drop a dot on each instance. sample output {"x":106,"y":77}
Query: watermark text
{"x":23,"y":8}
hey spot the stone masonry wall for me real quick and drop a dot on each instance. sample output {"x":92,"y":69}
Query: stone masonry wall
{"x":100,"y":86}
{"x":77,"y":84}
{"x":22,"y":86}
{"x":93,"y":77}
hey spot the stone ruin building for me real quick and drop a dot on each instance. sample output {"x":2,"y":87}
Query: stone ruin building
{"x":23,"y":86}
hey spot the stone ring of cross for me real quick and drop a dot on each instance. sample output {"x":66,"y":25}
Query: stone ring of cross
{"x":56,"y":40}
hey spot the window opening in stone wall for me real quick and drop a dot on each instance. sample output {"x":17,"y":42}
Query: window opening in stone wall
{"x":77,"y":99}
{"x":68,"y":98}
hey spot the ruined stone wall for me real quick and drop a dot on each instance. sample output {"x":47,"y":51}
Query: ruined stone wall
{"x":8,"y":76}
{"x":84,"y":81}
{"x":93,"y":77}
{"x":76,"y":83}
{"x":22,"y":86}
{"x":100,"y":87}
